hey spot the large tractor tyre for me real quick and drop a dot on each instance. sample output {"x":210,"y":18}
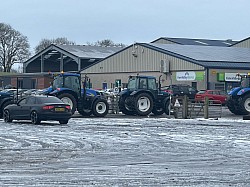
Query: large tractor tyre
{"x":158,"y":111}
{"x":143,"y":104}
{"x":69,"y":99}
{"x":125,"y":106}
{"x":4,"y":105}
{"x":245,"y":105}
{"x":100,"y":108}
{"x":231,"y":107}
{"x":86,"y":112}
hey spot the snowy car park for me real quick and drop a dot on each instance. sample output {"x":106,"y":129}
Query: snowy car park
{"x":126,"y":151}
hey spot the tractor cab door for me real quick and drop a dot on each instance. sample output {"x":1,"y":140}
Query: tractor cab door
{"x":73,"y":83}
{"x":152,"y":86}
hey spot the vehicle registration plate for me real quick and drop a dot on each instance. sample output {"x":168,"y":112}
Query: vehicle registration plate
{"x":59,"y":109}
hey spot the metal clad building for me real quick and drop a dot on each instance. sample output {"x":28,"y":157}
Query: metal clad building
{"x":200,"y":66}
{"x":137,"y":59}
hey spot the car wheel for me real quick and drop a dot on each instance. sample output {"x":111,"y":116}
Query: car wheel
{"x":34,"y":117}
{"x":6,"y":116}
{"x":63,"y":121}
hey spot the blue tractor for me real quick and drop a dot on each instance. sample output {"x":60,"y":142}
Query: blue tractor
{"x":143,"y":96}
{"x":67,"y":87}
{"x":239,"y":97}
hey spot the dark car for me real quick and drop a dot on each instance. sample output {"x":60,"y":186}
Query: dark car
{"x":214,"y":96}
{"x":38,"y":108}
{"x":181,"y":90}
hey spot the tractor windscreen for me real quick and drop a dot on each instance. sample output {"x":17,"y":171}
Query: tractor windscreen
{"x":132,"y":82}
{"x":58,"y":82}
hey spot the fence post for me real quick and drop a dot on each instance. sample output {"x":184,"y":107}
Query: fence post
{"x":206,"y":103}
{"x":185,"y":107}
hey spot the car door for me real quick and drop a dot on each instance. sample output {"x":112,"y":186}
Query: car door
{"x":30,"y":102}
{"x":18,"y":111}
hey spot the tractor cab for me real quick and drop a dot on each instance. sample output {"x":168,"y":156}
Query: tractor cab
{"x":70,"y":81}
{"x":245,"y":81}
{"x":142,"y":82}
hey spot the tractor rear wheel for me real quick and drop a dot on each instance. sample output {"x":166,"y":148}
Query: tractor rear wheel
{"x":143,"y":104}
{"x":245,"y":105}
{"x":69,"y":99}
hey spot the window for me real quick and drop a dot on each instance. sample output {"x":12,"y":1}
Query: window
{"x":20,"y":83}
{"x":152,"y":84}
{"x":31,"y":100}
{"x":33,"y":83}
{"x":22,"y":102}
{"x":219,"y":86}
{"x":132,"y":83}
{"x":215,"y":92}
{"x":143,"y":83}
{"x":104,"y":85}
{"x":72,"y":82}
{"x":48,"y":100}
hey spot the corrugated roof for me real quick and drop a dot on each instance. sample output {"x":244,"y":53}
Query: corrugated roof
{"x":207,"y":56}
{"x":83,"y":51}
{"x":208,"y":53}
{"x":203,"y":42}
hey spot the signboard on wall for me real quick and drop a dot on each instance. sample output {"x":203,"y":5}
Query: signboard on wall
{"x":189,"y":76}
{"x":231,"y":77}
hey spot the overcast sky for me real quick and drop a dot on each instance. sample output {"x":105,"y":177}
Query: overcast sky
{"x":127,"y":21}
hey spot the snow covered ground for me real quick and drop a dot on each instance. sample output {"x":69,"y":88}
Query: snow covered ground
{"x":118,"y":151}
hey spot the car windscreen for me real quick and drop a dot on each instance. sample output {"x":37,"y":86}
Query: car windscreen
{"x":48,"y":100}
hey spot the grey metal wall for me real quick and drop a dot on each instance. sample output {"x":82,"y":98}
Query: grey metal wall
{"x":133,"y":60}
{"x":244,"y":44}
{"x":139,"y":59}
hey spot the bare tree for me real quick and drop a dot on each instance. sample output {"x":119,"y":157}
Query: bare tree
{"x":106,"y":43}
{"x":44,"y":43}
{"x":14,"y":47}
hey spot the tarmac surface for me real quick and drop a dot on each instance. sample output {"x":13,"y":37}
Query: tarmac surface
{"x":127,"y":151}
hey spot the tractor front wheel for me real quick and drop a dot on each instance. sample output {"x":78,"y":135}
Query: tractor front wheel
{"x":100,"y":108}
{"x":125,"y":105}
